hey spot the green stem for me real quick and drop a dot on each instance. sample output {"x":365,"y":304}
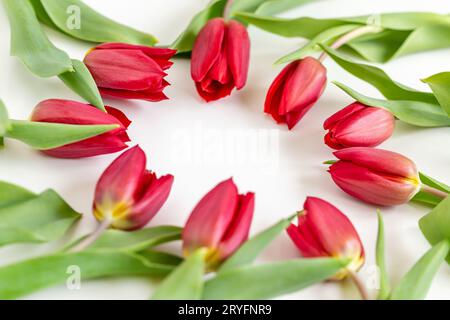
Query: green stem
{"x":227,"y":9}
{"x":359,"y":285}
{"x":90,"y":239}
{"x":435,"y":192}
{"x":346,"y":38}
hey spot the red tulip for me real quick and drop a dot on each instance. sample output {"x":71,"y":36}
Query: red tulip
{"x":324,"y":231}
{"x":72,"y":112}
{"x":220,"y":222}
{"x":295,"y":91}
{"x":220,"y":58}
{"x":130,"y":71}
{"x":376,"y":176}
{"x":358,"y":125}
{"x":127,"y":194}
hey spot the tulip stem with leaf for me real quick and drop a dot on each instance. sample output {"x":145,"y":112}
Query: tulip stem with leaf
{"x":346,"y":38}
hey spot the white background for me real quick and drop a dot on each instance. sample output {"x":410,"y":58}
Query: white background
{"x":282,"y":172}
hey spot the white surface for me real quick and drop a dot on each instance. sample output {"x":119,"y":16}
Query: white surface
{"x":282,"y":170}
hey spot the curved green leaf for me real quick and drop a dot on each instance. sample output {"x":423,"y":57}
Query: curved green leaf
{"x":404,"y":33}
{"x":440,"y":84}
{"x":251,"y":249}
{"x":270,"y":280}
{"x":80,"y":21}
{"x":427,"y":198}
{"x":417,"y":113}
{"x":185,"y":41}
{"x":435,"y":226}
{"x":385,"y":287}
{"x":416,"y":283}
{"x":390,"y":89}
{"x":135,"y":241}
{"x":11,"y":194}
{"x":270,"y":7}
{"x":326,"y":37}
{"x":29,"y":276}
{"x":43,"y":136}
{"x":265,"y":6}
{"x":80,"y":81}
{"x":4,"y":119}
{"x":30,"y":44}
{"x":26,"y":217}
{"x":185,"y":282}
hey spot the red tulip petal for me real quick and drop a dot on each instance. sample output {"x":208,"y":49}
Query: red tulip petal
{"x":150,"y":203}
{"x":88,"y":148}
{"x":331,"y":141}
{"x":119,"y":182}
{"x":382,"y":161}
{"x":273,"y":98}
{"x":160,"y":55}
{"x":119,"y":115}
{"x":239,"y":228}
{"x":332,"y":228}
{"x":342,"y":114}
{"x":124,"y":69}
{"x":372,"y":187}
{"x":308,"y":248}
{"x":238,"y":43}
{"x":304,"y":86}
{"x":219,"y":71}
{"x":213,"y":90}
{"x":148,"y":95}
{"x":368,"y":127}
{"x":207,"y":48}
{"x":72,"y":112}
{"x":211,"y":217}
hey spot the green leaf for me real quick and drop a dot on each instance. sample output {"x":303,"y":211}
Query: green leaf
{"x":440,"y":84}
{"x":435,"y":226}
{"x":11,"y":194}
{"x":43,"y":135}
{"x":4,"y":121}
{"x":385,"y":287}
{"x":431,"y":182}
{"x":326,"y":37}
{"x":416,"y":283}
{"x":271,"y":7}
{"x":29,"y":276}
{"x":28,"y":218}
{"x":80,"y":21}
{"x":30,"y":44}
{"x":417,"y":113}
{"x":270,"y":280}
{"x":265,"y":6}
{"x":390,"y":89}
{"x":135,"y":241}
{"x":186,"y":281}
{"x":404,"y":33}
{"x":251,"y":249}
{"x":80,"y":81}
{"x":426,"y":199}
{"x":185,"y":41}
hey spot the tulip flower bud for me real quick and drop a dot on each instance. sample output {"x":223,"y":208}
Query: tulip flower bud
{"x":72,"y":112}
{"x":295,"y":91}
{"x":220,"y":58}
{"x":376,"y":176}
{"x":358,"y":125}
{"x":324,"y":231}
{"x":127,"y":71}
{"x":220,"y":223}
{"x":127,"y":194}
